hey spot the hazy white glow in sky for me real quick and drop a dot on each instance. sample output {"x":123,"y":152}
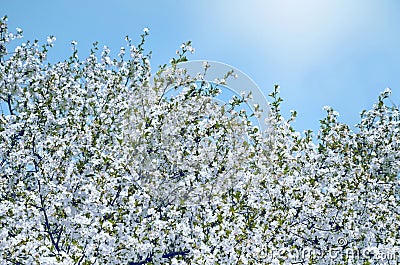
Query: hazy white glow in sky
{"x":301,"y":30}
{"x":298,"y":31}
{"x":331,"y":52}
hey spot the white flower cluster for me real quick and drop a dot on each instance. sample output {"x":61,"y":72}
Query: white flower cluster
{"x":98,"y":167}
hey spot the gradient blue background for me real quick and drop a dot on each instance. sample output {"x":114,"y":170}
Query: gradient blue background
{"x":321,"y":52}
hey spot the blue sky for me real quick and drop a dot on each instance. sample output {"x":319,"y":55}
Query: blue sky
{"x":321,"y":52}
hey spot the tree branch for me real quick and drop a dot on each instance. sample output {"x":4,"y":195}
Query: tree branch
{"x":165,"y":256}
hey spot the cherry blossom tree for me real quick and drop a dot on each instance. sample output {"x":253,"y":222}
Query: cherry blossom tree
{"x":97,"y":166}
